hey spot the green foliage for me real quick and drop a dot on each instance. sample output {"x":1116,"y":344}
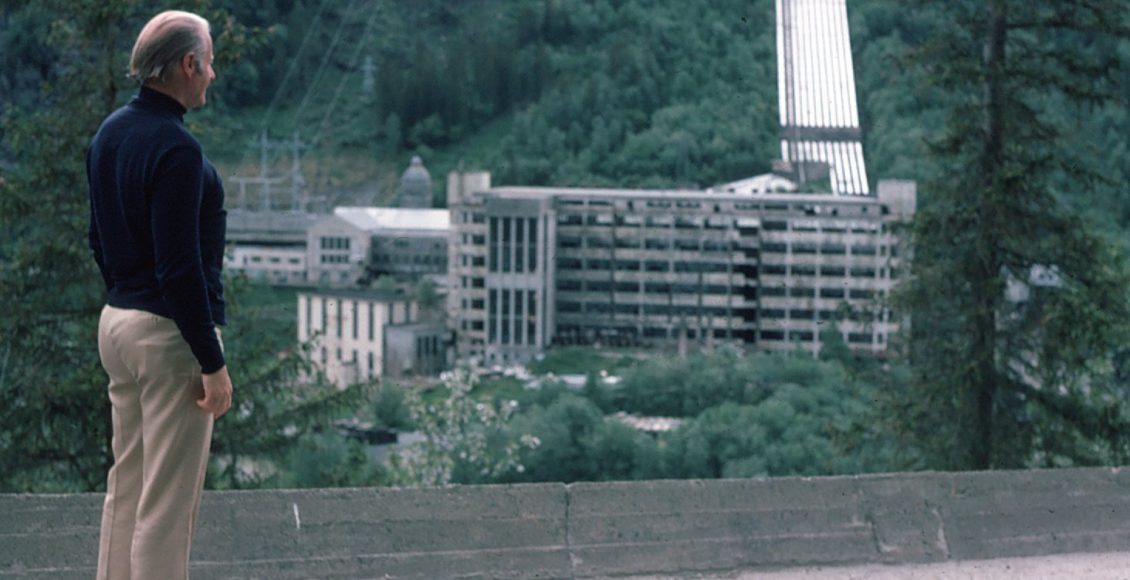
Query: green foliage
{"x":795,"y":431}
{"x":563,"y":430}
{"x":579,"y":360}
{"x":464,"y":440}
{"x":794,"y":416}
{"x":391,"y":408}
{"x":328,"y":460}
{"x":677,"y":387}
{"x":54,"y":427}
{"x":279,"y":400}
{"x":1002,"y":383}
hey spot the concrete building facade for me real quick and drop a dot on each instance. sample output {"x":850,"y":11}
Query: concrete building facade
{"x":268,"y":246}
{"x":533,"y":267}
{"x":416,"y":349}
{"x":358,"y":243}
{"x":348,"y":328}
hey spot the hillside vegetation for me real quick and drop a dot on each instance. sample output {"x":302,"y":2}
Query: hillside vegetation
{"x":1010,"y":114}
{"x":633,"y":93}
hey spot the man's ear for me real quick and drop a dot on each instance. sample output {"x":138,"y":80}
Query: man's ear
{"x":189,"y":63}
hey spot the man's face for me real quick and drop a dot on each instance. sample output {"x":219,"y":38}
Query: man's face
{"x":202,"y":76}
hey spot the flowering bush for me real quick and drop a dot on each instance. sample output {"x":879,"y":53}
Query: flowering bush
{"x":465,"y":439}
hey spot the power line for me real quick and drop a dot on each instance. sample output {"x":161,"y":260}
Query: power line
{"x":341,"y":83}
{"x":286,"y":77}
{"x":326,"y":57}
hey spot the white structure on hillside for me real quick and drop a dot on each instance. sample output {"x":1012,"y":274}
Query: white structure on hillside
{"x":347,"y":330}
{"x":268,"y":246}
{"x":356,"y":242}
{"x":820,"y":136}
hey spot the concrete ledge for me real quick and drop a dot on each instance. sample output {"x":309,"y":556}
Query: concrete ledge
{"x":587,"y":530}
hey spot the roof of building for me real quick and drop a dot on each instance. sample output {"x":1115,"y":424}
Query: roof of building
{"x":757,"y":185}
{"x":370,"y":294}
{"x":697,"y":195}
{"x":395,"y":218}
{"x":251,"y":226}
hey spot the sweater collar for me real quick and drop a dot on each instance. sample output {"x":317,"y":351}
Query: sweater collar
{"x":161,"y":102}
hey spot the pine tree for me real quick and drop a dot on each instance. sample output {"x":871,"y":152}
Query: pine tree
{"x":1022,"y":378}
{"x":54,"y":424}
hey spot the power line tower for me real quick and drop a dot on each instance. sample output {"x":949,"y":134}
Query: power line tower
{"x":266,"y":183}
{"x":369,"y":77}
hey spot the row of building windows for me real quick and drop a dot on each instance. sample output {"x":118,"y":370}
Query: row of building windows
{"x":272,"y":260}
{"x":352,"y":361}
{"x":810,"y":292}
{"x":427,"y":346}
{"x":826,"y":270}
{"x":662,"y":332}
{"x":473,"y":304}
{"x":335,"y":258}
{"x":513,"y":244}
{"x":567,"y":285}
{"x":828,"y":227}
{"x":808,"y":314}
{"x":831,"y":249}
{"x":334,"y":243}
{"x":569,"y":263}
{"x":335,"y":309}
{"x":475,"y":261}
{"x":809,"y":336}
{"x":511,"y":316}
{"x":805,"y":208}
{"x":472,"y":217}
{"x":634,"y":243}
{"x":403,"y":259}
{"x":698,"y":222}
{"x":635,"y":309}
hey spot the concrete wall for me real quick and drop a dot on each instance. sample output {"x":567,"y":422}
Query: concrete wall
{"x":589,"y":530}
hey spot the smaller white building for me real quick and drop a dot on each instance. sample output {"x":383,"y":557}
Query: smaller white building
{"x":347,"y":329}
{"x":343,"y":247}
{"x":274,"y":265}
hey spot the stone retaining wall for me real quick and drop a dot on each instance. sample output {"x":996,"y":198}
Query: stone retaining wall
{"x":588,"y":530}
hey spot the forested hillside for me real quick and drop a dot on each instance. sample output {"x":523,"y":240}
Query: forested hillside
{"x":651,"y":93}
{"x":1011,"y":115}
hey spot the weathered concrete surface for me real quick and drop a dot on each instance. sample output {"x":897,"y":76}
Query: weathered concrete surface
{"x":1067,"y":566}
{"x":594,"y":530}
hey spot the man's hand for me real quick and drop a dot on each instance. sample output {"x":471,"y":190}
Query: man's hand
{"x":217,"y":393}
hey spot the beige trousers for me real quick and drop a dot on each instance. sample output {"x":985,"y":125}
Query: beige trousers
{"x":160,"y":444}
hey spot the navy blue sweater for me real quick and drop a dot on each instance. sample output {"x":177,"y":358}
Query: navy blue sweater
{"x":157,"y":220}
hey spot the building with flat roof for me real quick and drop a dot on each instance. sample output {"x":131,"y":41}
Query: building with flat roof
{"x":268,"y":246}
{"x":362,"y":243}
{"x":359,"y":335}
{"x":532,"y":267}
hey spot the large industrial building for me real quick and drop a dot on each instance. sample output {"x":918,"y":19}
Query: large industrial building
{"x":532,"y":267}
{"x":753,"y":262}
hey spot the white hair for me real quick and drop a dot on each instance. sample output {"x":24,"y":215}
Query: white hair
{"x":164,"y":40}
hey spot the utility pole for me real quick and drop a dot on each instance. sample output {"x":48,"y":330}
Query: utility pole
{"x":369,"y":77}
{"x":264,"y":180}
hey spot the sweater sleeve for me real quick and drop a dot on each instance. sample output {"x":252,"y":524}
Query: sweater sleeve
{"x":94,"y":242}
{"x":175,"y":219}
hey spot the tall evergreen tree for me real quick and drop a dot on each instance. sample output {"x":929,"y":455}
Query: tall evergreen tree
{"x":55,"y":419}
{"x":54,"y":424}
{"x":1015,"y":378}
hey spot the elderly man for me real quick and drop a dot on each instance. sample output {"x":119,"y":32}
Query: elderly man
{"x":157,"y":233}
